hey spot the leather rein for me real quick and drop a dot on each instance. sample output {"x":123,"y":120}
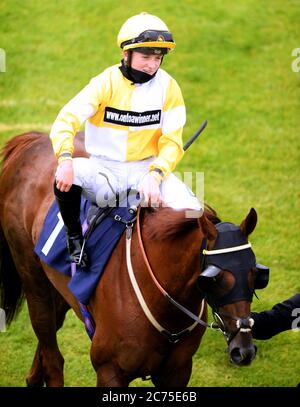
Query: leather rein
{"x":173,"y":337}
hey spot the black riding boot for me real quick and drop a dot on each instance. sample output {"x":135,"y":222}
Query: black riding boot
{"x":69,"y":206}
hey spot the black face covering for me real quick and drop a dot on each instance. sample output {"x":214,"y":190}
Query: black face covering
{"x":238,"y":263}
{"x":134,"y":75}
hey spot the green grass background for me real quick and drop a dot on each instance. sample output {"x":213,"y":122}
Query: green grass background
{"x":233,"y":62}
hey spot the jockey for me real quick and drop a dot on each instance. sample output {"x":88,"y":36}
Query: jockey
{"x":134,"y":115}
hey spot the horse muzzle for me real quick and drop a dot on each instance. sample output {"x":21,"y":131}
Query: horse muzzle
{"x":241,"y":350}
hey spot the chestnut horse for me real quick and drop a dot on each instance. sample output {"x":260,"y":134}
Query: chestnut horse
{"x":126,"y":345}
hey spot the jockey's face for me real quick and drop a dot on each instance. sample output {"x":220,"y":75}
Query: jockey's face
{"x":148,"y":63}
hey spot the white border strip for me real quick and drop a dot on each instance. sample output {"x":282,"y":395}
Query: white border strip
{"x":51,"y":239}
{"x":227,"y":250}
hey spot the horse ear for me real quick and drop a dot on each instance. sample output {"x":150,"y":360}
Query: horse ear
{"x":208,"y":228}
{"x":248,"y":224}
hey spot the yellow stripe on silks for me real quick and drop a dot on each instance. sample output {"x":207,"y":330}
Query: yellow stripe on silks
{"x":142,"y":144}
{"x":170,"y":152}
{"x":98,"y":121}
{"x":170,"y":149}
{"x":174,"y":96}
{"x":120,"y":97}
{"x":63,"y":132}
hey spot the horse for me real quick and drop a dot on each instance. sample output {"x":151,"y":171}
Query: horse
{"x":165,"y":259}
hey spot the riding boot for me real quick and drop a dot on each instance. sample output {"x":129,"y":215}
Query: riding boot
{"x":69,"y":206}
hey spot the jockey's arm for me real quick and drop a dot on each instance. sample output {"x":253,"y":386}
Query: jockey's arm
{"x":66,"y":125}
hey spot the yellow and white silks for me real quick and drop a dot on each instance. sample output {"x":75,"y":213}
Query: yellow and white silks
{"x":128,"y":126}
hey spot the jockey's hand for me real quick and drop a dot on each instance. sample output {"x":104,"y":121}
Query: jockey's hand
{"x":149,"y":190}
{"x":64,"y":175}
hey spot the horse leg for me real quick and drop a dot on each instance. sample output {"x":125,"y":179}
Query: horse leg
{"x":35,"y":377}
{"x":41,"y":305}
{"x":42,"y":315}
{"x":109,"y":373}
{"x":174,"y":373}
{"x":176,"y":368}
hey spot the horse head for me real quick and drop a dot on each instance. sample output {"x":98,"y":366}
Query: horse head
{"x":228,"y":280}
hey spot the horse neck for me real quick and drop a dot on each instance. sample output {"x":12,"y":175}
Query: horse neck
{"x":175,"y":262}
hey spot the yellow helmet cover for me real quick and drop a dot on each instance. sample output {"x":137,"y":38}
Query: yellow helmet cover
{"x":145,"y":31}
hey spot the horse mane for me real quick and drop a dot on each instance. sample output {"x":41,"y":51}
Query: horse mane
{"x":164,"y":223}
{"x":18,"y":145}
{"x":211,"y":214}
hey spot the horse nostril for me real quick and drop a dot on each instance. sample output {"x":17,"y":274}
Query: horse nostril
{"x":235,"y":356}
{"x":241,"y":356}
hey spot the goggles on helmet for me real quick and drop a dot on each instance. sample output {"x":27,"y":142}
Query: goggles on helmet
{"x":150,"y":39}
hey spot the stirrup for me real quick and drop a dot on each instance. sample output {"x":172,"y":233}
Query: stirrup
{"x":76,"y":251}
{"x":80,"y":259}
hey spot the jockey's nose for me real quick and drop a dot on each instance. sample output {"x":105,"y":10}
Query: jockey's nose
{"x":153,"y":63}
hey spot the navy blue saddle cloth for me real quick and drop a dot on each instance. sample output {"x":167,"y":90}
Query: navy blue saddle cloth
{"x":51,"y":246}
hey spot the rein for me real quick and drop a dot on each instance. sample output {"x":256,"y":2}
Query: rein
{"x":173,"y":337}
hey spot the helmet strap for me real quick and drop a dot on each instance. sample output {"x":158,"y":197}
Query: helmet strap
{"x":129,"y":58}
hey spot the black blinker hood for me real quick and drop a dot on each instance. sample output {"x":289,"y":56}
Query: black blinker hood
{"x":238,"y":263}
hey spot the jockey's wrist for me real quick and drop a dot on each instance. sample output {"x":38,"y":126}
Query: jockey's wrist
{"x":159,"y":171}
{"x":158,"y":177}
{"x":64,"y":156}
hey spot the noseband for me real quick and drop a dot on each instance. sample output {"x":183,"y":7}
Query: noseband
{"x":243,"y":325}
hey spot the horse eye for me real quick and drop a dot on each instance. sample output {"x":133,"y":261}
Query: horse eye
{"x":224,"y":282}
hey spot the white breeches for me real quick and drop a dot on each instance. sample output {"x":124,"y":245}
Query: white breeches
{"x":101,"y":179}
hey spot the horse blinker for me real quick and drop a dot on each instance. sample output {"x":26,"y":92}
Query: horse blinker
{"x":262,"y":276}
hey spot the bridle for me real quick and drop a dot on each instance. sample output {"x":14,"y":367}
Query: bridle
{"x":242,"y":324}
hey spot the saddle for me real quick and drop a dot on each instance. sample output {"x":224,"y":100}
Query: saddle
{"x":102,"y":227}
{"x":95,"y":214}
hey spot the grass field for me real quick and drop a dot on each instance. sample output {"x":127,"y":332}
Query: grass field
{"x":233,"y":62}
